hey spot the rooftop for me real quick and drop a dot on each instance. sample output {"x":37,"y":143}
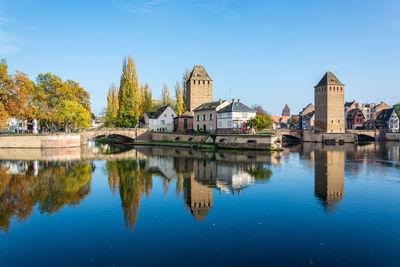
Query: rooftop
{"x":157,"y":113}
{"x":199,"y":73}
{"x":236,"y":106}
{"x":209,"y":105}
{"x":329,"y":79}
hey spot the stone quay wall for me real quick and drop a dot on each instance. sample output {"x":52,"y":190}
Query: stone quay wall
{"x":329,"y":137}
{"x":392,"y":136}
{"x":40,"y":141}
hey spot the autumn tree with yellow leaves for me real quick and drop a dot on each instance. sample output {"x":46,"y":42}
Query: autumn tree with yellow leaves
{"x":179,"y":99}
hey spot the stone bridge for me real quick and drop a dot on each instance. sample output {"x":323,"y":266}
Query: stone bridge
{"x":136,"y":134}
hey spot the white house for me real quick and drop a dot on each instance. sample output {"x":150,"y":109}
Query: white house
{"x":232,"y":117}
{"x":161,"y":120}
{"x":391,"y":118}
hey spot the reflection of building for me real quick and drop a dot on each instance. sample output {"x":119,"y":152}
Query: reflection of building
{"x":233,"y":178}
{"x":199,"y":198}
{"x":329,"y":176}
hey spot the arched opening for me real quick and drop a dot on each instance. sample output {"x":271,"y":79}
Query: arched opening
{"x":190,"y":139}
{"x":177,"y":139}
{"x":252,"y":142}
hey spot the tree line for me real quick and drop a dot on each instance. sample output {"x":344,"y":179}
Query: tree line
{"x":127,"y":103}
{"x":54,"y":103}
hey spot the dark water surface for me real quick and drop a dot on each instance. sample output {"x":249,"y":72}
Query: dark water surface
{"x":310,"y":205}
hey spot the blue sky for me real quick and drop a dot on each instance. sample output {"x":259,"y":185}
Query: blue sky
{"x":268,"y":52}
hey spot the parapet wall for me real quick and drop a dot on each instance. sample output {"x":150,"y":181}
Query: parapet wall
{"x":40,"y":141}
{"x":329,"y":137}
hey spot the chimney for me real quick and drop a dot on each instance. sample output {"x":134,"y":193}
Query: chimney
{"x":238,"y":100}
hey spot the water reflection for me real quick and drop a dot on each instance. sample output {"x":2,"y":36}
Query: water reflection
{"x":197,"y":176}
{"x":50,"y":186}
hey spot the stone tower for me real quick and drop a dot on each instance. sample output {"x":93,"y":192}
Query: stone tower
{"x":286,"y":111}
{"x":329,"y":105}
{"x":199,"y":88}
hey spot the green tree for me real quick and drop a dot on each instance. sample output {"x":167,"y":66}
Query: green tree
{"x":179,"y":100}
{"x":166,"y":97}
{"x":112,"y":106}
{"x":293,"y":122}
{"x":397,"y":107}
{"x":260,"y":122}
{"x":50,"y":95}
{"x":73,"y":115}
{"x":147,"y":98}
{"x":129,"y":95}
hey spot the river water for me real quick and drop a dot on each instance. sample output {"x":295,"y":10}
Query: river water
{"x":116,"y":206}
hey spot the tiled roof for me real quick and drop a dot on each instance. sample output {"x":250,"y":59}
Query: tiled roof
{"x":308,"y":116}
{"x":351,"y":114}
{"x":378,"y":123}
{"x":157,"y":113}
{"x":186,"y":114}
{"x":209,"y":105}
{"x":236,"y":106}
{"x":385,"y":114}
{"x":199,"y":73}
{"x":329,"y":79}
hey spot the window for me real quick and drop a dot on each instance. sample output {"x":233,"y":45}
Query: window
{"x":211,"y":117}
{"x":198,"y":117}
{"x":162,"y":122}
{"x":235,"y":124}
{"x":219,"y":124}
{"x":185,"y":123}
{"x":211,"y":127}
{"x":229,"y":124}
{"x":165,"y":115}
{"x":204,"y":117}
{"x":219,"y":115}
{"x":198,"y":127}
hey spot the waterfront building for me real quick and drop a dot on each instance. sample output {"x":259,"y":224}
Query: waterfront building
{"x":375,"y":125}
{"x":307,"y":110}
{"x":376,"y":110}
{"x":205,"y":115}
{"x":286,"y":111}
{"x":160,"y":120}
{"x":329,"y":105}
{"x":391,"y":118}
{"x":308,"y":121}
{"x":184,"y":123}
{"x":366,"y":108}
{"x":355,"y":118}
{"x":231,"y":118}
{"x":280,"y":122}
{"x":199,"y":88}
{"x":97,"y":122}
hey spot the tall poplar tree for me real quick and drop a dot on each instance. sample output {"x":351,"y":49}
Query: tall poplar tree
{"x":179,"y":100}
{"x":129,"y":95}
{"x":166,"y":97}
{"x":147,"y":98}
{"x":112,"y":105}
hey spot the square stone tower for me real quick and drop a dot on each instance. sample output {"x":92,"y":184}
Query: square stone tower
{"x":199,"y":88}
{"x":329,"y":105}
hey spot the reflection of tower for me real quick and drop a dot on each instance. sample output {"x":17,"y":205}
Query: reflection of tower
{"x":329,"y":176}
{"x":199,"y":198}
{"x":198,"y":193}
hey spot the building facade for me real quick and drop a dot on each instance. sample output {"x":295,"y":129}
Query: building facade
{"x":391,"y":118}
{"x":184,"y":123}
{"x":376,"y":110}
{"x":161,"y":120}
{"x":231,"y":118}
{"x":199,"y":88}
{"x":205,"y":115}
{"x":308,"y":121}
{"x":329,"y":105}
{"x":355,"y":119}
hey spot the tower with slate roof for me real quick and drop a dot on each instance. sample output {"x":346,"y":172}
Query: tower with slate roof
{"x":329,"y":105}
{"x":199,"y":88}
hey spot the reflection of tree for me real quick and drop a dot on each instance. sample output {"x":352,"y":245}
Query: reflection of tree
{"x":132,"y":182}
{"x":61,"y":185}
{"x":259,"y":171}
{"x":15,"y":198}
{"x":54,"y":186}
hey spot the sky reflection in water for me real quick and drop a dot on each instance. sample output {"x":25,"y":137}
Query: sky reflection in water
{"x":311,"y":204}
